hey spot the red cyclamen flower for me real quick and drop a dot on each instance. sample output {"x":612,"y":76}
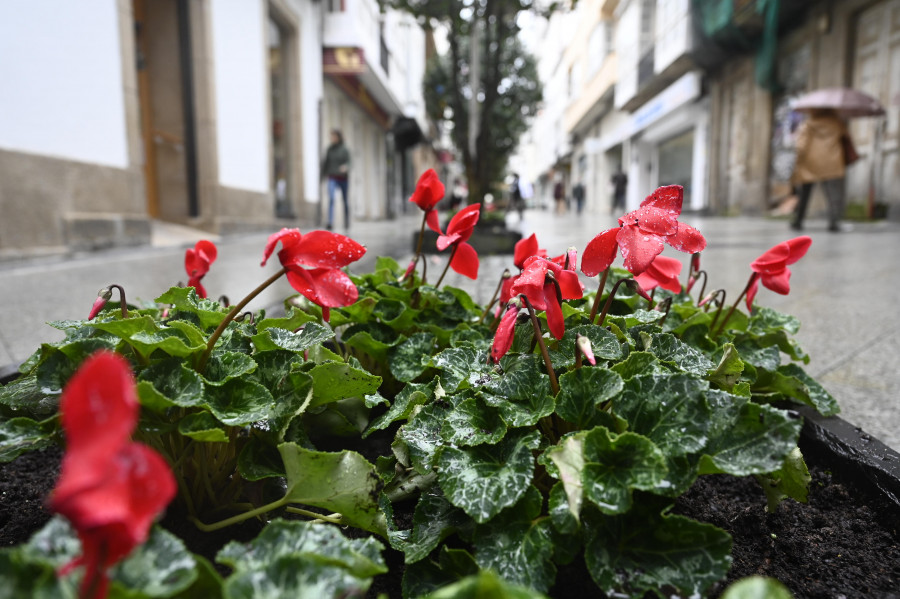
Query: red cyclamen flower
{"x":313,"y":262}
{"x":429,"y":191}
{"x":643,"y":233}
{"x":459,"y":229}
{"x":110,"y":488}
{"x":772,"y":267}
{"x":503,"y":337}
{"x":536,"y":284}
{"x":524,"y":249}
{"x":197,"y":261}
{"x":662,"y":272}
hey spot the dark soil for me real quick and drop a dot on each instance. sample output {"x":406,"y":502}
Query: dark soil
{"x":843,"y":543}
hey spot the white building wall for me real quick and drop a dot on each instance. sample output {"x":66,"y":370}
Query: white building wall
{"x":242,"y":112}
{"x":674,"y":35}
{"x":309,"y":15}
{"x":628,"y":34}
{"x":61,"y":89}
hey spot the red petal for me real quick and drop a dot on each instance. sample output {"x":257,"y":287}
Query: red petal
{"x":465,"y":261}
{"x":208,"y":249}
{"x":569,"y":285}
{"x":668,"y":198}
{"x":432,"y":219}
{"x":99,"y":405}
{"x":646,"y":280}
{"x":429,"y":191}
{"x":600,"y":252}
{"x":666,"y":267}
{"x":525,"y":248}
{"x":778,"y":282}
{"x":797,"y":247}
{"x":198,"y":287}
{"x":464,"y":221}
{"x":638,"y":248}
{"x":554,"y":313}
{"x":98,"y":305}
{"x":531,"y":282}
{"x":752,"y":288}
{"x":445,"y":241}
{"x":503,"y":337}
{"x":687,"y":239}
{"x":652,"y":220}
{"x":506,"y":290}
{"x":287,"y":237}
{"x":322,"y":249}
{"x":194,"y":263}
{"x":327,"y":287}
{"x":773,"y":260}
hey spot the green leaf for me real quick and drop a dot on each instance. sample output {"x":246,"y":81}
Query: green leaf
{"x":374,"y":339}
{"x":412,"y":395}
{"x":259,"y":460}
{"x":517,"y":545}
{"x":604,"y":344}
{"x":522,"y":393}
{"x":209,"y":313}
{"x":763,"y":358}
{"x":421,"y":436}
{"x":583,"y":391}
{"x":394,"y":313}
{"x":568,"y":458}
{"x":792,"y":480}
{"x":729,"y":369}
{"x":485,"y":479}
{"x":161,"y":567}
{"x":277,"y":338}
{"x":670,"y":410}
{"x":21,"y":435}
{"x":812,"y":393}
{"x":460,"y":367}
{"x":472,"y":423}
{"x":410,"y":359}
{"x":765,"y":320}
{"x":342,"y":482}
{"x":757,"y":587}
{"x":643,"y":550}
{"x":757,"y":442}
{"x":202,"y":426}
{"x":561,"y":514}
{"x":484,"y":585}
{"x":239,"y":402}
{"x":293,"y":321}
{"x":333,"y":381}
{"x":638,"y":363}
{"x":170,"y":382}
{"x":425,"y":576}
{"x":614,"y":465}
{"x":228,"y":365}
{"x":669,"y":348}
{"x":301,"y":559}
{"x":434,"y":519}
{"x":128,"y":327}
{"x":24,"y":395}
{"x":20,"y":578}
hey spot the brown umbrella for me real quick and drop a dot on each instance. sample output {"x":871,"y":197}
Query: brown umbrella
{"x":848,"y":102}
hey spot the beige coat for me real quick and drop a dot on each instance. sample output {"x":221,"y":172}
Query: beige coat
{"x":820,"y":152}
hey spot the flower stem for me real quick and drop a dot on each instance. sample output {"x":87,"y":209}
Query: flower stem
{"x":719,"y":299}
{"x":122,"y":303}
{"x":487,"y":309}
{"x":599,"y":294}
{"x":239,"y":517}
{"x":333,"y":518}
{"x":609,"y":300}
{"x":750,"y":283}
{"x":446,"y":268}
{"x":702,"y":287}
{"x":554,"y":384}
{"x":235,"y":310}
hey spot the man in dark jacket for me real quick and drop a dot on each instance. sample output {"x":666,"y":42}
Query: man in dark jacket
{"x":336,"y":167}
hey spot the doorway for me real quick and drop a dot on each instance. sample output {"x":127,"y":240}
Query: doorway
{"x":165,"y":91}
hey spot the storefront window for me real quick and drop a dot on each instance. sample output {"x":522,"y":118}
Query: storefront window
{"x":676,"y":162}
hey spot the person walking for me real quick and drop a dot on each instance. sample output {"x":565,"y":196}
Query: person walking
{"x":578,"y":194}
{"x":619,"y":182}
{"x":559,"y":195}
{"x":824,"y":149}
{"x":336,"y":167}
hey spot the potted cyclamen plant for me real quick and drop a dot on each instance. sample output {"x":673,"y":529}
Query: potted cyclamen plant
{"x":471,"y":453}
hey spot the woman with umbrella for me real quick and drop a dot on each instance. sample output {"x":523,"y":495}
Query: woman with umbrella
{"x":824,"y":148}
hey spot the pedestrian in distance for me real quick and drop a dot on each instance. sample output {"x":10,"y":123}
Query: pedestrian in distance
{"x":559,"y":196}
{"x":619,"y":182}
{"x":336,"y":167}
{"x":578,"y":194}
{"x":824,"y":149}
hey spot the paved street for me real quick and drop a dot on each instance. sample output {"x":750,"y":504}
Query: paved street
{"x":844,"y":291}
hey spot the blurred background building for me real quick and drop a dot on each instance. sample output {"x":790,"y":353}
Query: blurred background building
{"x":208,"y":113}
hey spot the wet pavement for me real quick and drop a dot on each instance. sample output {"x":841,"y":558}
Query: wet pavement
{"x":845,"y":291}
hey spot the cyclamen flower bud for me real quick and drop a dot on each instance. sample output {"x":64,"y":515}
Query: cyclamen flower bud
{"x":583,"y":344}
{"x":635,"y":287}
{"x":103,"y":296}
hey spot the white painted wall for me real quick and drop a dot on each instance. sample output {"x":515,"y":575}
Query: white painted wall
{"x":242,"y":113}
{"x":309,"y":15}
{"x":61,"y":89}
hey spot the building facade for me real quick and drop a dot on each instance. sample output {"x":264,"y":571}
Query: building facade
{"x":208,"y":113}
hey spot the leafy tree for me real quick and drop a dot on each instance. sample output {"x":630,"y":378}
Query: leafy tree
{"x":486,"y":85}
